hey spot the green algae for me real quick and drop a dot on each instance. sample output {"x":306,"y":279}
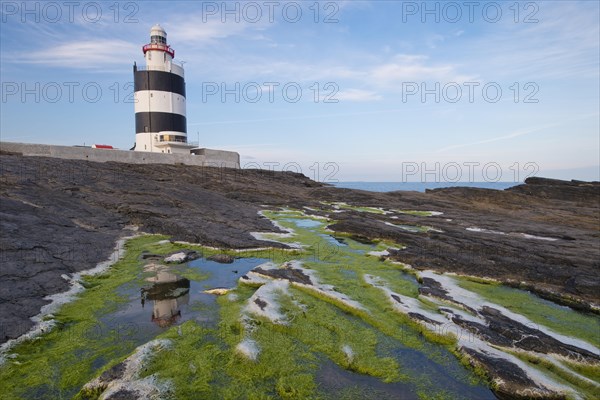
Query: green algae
{"x":372,"y":210}
{"x":203,"y":361}
{"x":413,"y":228}
{"x":64,"y":358}
{"x":380,"y":314}
{"x":330,"y":271}
{"x":344,"y":206}
{"x":321,"y":326}
{"x":289,"y":355}
{"x":591,"y":371}
{"x":69,"y":355}
{"x":332,"y":263}
{"x":415,"y":213}
{"x":560,"y":319}
{"x":325,"y":329}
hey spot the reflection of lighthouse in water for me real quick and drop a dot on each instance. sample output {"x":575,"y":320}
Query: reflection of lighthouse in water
{"x":168,"y":293}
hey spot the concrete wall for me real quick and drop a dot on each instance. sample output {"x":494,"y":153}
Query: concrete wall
{"x":207,"y":157}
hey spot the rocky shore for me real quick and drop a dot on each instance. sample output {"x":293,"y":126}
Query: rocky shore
{"x":59,"y":217}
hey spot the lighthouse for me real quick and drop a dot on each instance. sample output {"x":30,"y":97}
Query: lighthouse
{"x":159,"y":96}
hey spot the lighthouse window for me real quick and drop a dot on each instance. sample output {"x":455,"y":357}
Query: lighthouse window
{"x":173,"y":138}
{"x":156,"y":39}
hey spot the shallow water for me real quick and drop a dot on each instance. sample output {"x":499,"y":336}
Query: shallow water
{"x":449,"y":378}
{"x":336,"y":382}
{"x":166,"y":298}
{"x":410,"y":228}
{"x":305,"y":223}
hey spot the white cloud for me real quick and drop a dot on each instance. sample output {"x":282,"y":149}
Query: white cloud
{"x":517,"y":133}
{"x":89,"y":54}
{"x":357,"y":95}
{"x":563,"y":44}
{"x":263,"y":154}
{"x":434,"y":40}
{"x":194,"y":30}
{"x":410,"y":68}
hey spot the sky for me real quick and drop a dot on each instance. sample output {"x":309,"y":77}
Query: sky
{"x":348,"y":90}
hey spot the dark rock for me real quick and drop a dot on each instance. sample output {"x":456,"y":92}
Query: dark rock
{"x":125,"y":394}
{"x":340,"y":240}
{"x":503,"y":331}
{"x":146,"y":256}
{"x":46,"y":231}
{"x":362,"y":239}
{"x":113,"y":373}
{"x":182,"y":256}
{"x":483,"y":331}
{"x":578,"y":191}
{"x":513,"y":379}
{"x":222,"y":258}
{"x":431,"y":287}
{"x":565,"y":271}
{"x":532,"y":339}
{"x":421,"y":317}
{"x":260,"y":302}
{"x":288,"y":273}
{"x":395,"y":297}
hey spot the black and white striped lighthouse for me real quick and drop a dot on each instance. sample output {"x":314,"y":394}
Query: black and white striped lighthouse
{"x":160,"y":120}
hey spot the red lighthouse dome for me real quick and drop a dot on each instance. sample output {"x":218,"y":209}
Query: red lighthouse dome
{"x":158,"y":41}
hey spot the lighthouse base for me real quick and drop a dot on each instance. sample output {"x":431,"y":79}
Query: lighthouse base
{"x":203,"y":157}
{"x":168,"y":142}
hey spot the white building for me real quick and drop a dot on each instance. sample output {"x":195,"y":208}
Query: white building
{"x":159,"y":95}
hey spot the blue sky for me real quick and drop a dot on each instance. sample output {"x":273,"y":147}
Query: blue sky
{"x":373,"y":58}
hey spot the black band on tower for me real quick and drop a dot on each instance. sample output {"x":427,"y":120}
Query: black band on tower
{"x":158,"y":80}
{"x":158,"y":122}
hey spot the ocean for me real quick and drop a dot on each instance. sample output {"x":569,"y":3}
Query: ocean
{"x":421,"y":186}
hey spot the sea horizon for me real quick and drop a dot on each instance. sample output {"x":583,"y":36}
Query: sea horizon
{"x":419,"y":186}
